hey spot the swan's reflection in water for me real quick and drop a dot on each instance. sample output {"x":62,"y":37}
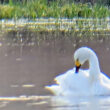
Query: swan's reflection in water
{"x":82,"y":103}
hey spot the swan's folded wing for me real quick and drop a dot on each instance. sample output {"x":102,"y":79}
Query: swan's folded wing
{"x":61,"y":78}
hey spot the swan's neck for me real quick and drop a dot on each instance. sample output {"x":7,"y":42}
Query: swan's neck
{"x":94,"y":67}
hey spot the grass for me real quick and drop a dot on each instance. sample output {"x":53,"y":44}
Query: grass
{"x":40,"y":8}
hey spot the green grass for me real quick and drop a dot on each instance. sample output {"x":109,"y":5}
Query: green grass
{"x":40,"y":8}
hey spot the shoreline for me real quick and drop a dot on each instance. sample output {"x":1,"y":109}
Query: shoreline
{"x":61,"y":24}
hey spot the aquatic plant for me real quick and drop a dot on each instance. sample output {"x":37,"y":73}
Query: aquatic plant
{"x":41,"y":8}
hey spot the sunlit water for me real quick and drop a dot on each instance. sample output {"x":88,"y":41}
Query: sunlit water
{"x":55,"y":103}
{"x":26,"y":67}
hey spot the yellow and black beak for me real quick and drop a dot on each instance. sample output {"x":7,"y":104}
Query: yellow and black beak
{"x":77,"y":65}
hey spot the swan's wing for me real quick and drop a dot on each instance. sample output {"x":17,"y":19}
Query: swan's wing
{"x":71,"y":83}
{"x":61,"y":87}
{"x":61,"y":78}
{"x":105,"y":79}
{"x":102,"y":86}
{"x":71,"y":73}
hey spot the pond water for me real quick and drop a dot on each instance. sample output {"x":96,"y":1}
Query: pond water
{"x":27,"y":66}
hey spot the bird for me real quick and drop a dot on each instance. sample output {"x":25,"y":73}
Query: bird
{"x":82,"y":82}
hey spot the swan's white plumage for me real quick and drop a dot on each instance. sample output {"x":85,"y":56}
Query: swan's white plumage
{"x":85,"y":82}
{"x":70,"y":81}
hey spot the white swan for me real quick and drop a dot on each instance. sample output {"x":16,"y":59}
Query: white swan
{"x":79,"y":82}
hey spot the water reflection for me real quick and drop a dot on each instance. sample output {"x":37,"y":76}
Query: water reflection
{"x":24,"y":102}
{"x":81,"y":103}
{"x":56,"y":103}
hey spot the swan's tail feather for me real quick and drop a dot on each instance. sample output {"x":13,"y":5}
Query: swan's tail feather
{"x":55,"y":89}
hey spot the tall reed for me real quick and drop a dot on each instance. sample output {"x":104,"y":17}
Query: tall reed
{"x":42,"y":8}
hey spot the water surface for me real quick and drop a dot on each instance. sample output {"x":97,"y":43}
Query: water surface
{"x":27,"y":66}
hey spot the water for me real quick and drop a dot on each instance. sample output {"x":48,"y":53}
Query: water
{"x":27,"y":66}
{"x":54,"y":103}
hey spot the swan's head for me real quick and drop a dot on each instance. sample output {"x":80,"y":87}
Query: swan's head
{"x":81,"y":55}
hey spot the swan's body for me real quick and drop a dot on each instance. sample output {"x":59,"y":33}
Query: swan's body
{"x":85,"y":82}
{"x":70,"y":83}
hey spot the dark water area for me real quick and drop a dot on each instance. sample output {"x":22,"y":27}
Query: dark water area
{"x":29,"y":61}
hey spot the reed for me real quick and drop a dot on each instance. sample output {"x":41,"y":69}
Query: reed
{"x":41,"y":8}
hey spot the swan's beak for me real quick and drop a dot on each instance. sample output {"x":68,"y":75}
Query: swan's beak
{"x":77,"y":65}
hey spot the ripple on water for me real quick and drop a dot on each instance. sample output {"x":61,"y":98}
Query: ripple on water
{"x":56,"y":103}
{"x":23,"y":85}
